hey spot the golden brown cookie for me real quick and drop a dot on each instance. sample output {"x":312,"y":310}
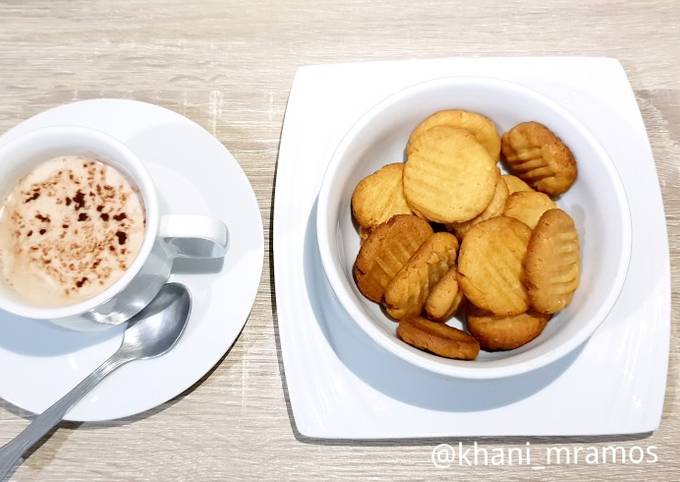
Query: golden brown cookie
{"x":504,"y":332}
{"x":449,"y":177}
{"x":364,"y":233}
{"x":515,"y":184}
{"x":551,"y":267}
{"x":405,"y":295}
{"x":386,"y":250}
{"x":495,"y":208}
{"x":437,"y":338}
{"x":536,"y":155}
{"x":490,"y":265}
{"x":476,"y":124}
{"x":379,"y":196}
{"x":445,"y":297}
{"x":528,"y":207}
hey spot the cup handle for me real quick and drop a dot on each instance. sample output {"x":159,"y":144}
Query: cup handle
{"x":194,"y":236}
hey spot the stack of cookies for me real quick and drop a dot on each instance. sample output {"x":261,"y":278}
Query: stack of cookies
{"x":446,"y":230}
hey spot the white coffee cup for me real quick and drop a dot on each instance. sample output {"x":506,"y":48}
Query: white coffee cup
{"x":167,"y":236}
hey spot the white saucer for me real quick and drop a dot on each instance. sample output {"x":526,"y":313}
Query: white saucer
{"x":342,"y":385}
{"x":194,"y":174}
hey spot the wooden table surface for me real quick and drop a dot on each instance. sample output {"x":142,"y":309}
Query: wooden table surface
{"x":228,"y":65}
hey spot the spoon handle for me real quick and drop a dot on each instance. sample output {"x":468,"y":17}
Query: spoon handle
{"x":11,"y":452}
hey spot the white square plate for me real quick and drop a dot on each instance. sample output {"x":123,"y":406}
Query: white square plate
{"x":342,"y":385}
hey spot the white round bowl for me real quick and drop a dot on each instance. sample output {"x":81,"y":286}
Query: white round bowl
{"x":596,"y":201}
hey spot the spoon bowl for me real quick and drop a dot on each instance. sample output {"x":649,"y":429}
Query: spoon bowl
{"x":158,"y":327}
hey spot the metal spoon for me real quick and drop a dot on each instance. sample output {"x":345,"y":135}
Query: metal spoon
{"x":151,"y":333}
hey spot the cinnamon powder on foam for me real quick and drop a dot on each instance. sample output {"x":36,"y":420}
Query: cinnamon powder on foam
{"x":69,"y":230}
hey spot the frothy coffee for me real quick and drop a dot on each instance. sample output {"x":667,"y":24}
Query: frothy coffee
{"x":69,"y":230}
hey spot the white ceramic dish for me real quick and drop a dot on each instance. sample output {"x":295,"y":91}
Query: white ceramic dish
{"x":596,"y":201}
{"x":342,"y":385}
{"x":194,"y":174}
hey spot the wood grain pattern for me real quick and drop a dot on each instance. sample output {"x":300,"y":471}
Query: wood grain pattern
{"x":228,"y":65}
